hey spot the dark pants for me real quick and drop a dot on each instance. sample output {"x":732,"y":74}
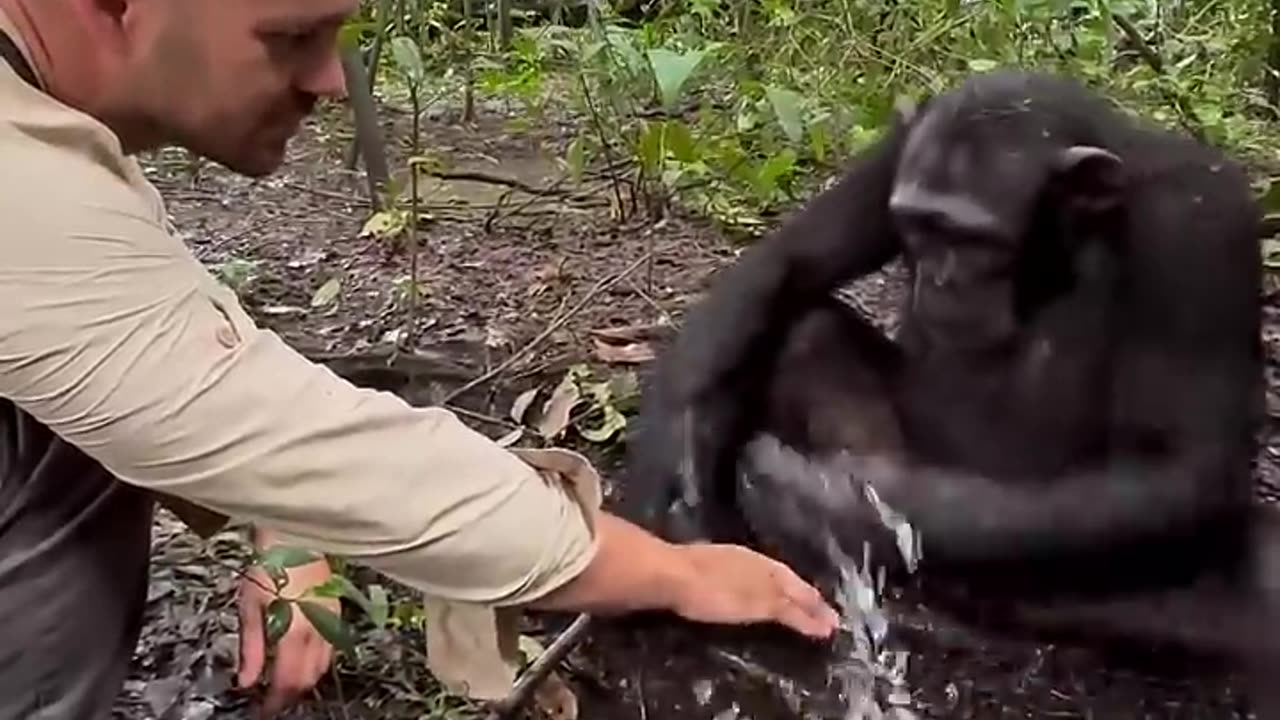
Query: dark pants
{"x":74,"y":552}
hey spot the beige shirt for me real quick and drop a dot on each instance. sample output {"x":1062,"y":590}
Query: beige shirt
{"x":114,"y":336}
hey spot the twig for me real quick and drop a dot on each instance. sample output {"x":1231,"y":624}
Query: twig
{"x":538,"y":671}
{"x":325,"y":193}
{"x":555,"y":325}
{"x":484,"y":177}
{"x":645,"y":296}
{"x":1144,"y":49}
{"x":1186,"y":114}
{"x":481,"y":416}
{"x":604,"y":142}
{"x":496,"y":213}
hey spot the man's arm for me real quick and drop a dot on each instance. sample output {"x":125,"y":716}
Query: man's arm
{"x":115,"y":338}
{"x":118,"y":340}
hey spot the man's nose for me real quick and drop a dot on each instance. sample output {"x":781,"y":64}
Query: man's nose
{"x":326,"y":80}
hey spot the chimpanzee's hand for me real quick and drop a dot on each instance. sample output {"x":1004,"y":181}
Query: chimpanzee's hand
{"x":736,"y":585}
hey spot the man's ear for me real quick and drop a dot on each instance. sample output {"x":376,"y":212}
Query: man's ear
{"x":1089,"y":178}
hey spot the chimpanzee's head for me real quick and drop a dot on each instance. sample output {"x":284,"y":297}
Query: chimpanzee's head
{"x":1004,"y":172}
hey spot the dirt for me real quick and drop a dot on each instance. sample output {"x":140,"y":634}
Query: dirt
{"x":498,"y":266}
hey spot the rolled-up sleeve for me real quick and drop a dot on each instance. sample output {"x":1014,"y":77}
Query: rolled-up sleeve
{"x":116,"y":338}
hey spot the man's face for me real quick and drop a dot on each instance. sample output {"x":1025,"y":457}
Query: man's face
{"x":232,"y":80}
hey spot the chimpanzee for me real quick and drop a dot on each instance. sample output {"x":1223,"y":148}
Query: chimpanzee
{"x":1071,"y":402}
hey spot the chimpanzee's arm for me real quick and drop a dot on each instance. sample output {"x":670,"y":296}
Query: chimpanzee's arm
{"x":699,"y":400}
{"x":1192,"y":470}
{"x":842,"y":234}
{"x":1184,"y":401}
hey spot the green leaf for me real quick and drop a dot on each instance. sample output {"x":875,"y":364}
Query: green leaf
{"x":331,"y":588}
{"x":287,"y":556}
{"x":612,"y":423}
{"x":278,"y":617}
{"x":349,"y":34}
{"x":352,"y":593}
{"x":379,"y":605}
{"x":408,"y":58}
{"x":577,"y":157}
{"x":327,"y":293}
{"x":818,"y":142}
{"x":385,"y":224}
{"x":678,"y":141}
{"x":786,"y":107}
{"x":777,"y":167}
{"x":672,"y":70}
{"x":1269,"y":198}
{"x":329,"y":624}
{"x":651,"y":151}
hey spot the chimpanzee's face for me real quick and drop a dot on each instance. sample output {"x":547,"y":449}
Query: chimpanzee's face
{"x":961,"y":209}
{"x":967,"y":201}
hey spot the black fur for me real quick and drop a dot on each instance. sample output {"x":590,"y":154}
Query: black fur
{"x":1097,"y":439}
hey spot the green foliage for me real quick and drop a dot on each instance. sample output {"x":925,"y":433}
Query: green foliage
{"x":237,"y":273}
{"x":740,"y":110}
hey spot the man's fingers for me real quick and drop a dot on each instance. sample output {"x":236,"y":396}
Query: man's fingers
{"x":289,"y":673}
{"x":803,"y":606}
{"x":322,"y":652}
{"x":253,"y":646}
{"x":803,"y":622}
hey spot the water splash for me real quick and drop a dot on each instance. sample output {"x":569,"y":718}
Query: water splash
{"x":862,"y":665}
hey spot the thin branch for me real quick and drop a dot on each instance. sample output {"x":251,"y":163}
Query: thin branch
{"x":555,"y":325}
{"x":1186,"y":114}
{"x":610,"y":165}
{"x":484,"y":177}
{"x":541,"y":667}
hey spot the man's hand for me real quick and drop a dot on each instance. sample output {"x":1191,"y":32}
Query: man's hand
{"x":734,"y":585}
{"x":704,"y":582}
{"x":302,"y":655}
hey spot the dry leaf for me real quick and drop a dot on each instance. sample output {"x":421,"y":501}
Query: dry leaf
{"x":555,"y":699}
{"x":555,"y":412}
{"x":632,"y":333}
{"x":510,"y":438}
{"x":520,"y":407}
{"x":629,"y":354}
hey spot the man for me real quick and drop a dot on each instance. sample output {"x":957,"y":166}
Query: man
{"x":127,"y":373}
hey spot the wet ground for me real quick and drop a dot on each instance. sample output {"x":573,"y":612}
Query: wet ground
{"x":501,"y":267}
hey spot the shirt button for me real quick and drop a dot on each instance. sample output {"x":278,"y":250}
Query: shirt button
{"x":226,"y":336}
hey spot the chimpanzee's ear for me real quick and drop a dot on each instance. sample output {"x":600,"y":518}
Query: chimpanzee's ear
{"x":1090,"y":178}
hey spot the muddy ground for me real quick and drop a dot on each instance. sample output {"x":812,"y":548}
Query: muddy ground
{"x":501,"y":267}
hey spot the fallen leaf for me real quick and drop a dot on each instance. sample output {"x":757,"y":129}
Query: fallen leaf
{"x":199,"y":710}
{"x":520,"y":407}
{"x":633,"y":333}
{"x":327,"y":293}
{"x":162,"y":694}
{"x":510,"y":438}
{"x":495,"y":338}
{"x":555,"y":412}
{"x":531,"y":648}
{"x":283,"y":310}
{"x":555,"y":698}
{"x":629,"y":354}
{"x":385,"y":224}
